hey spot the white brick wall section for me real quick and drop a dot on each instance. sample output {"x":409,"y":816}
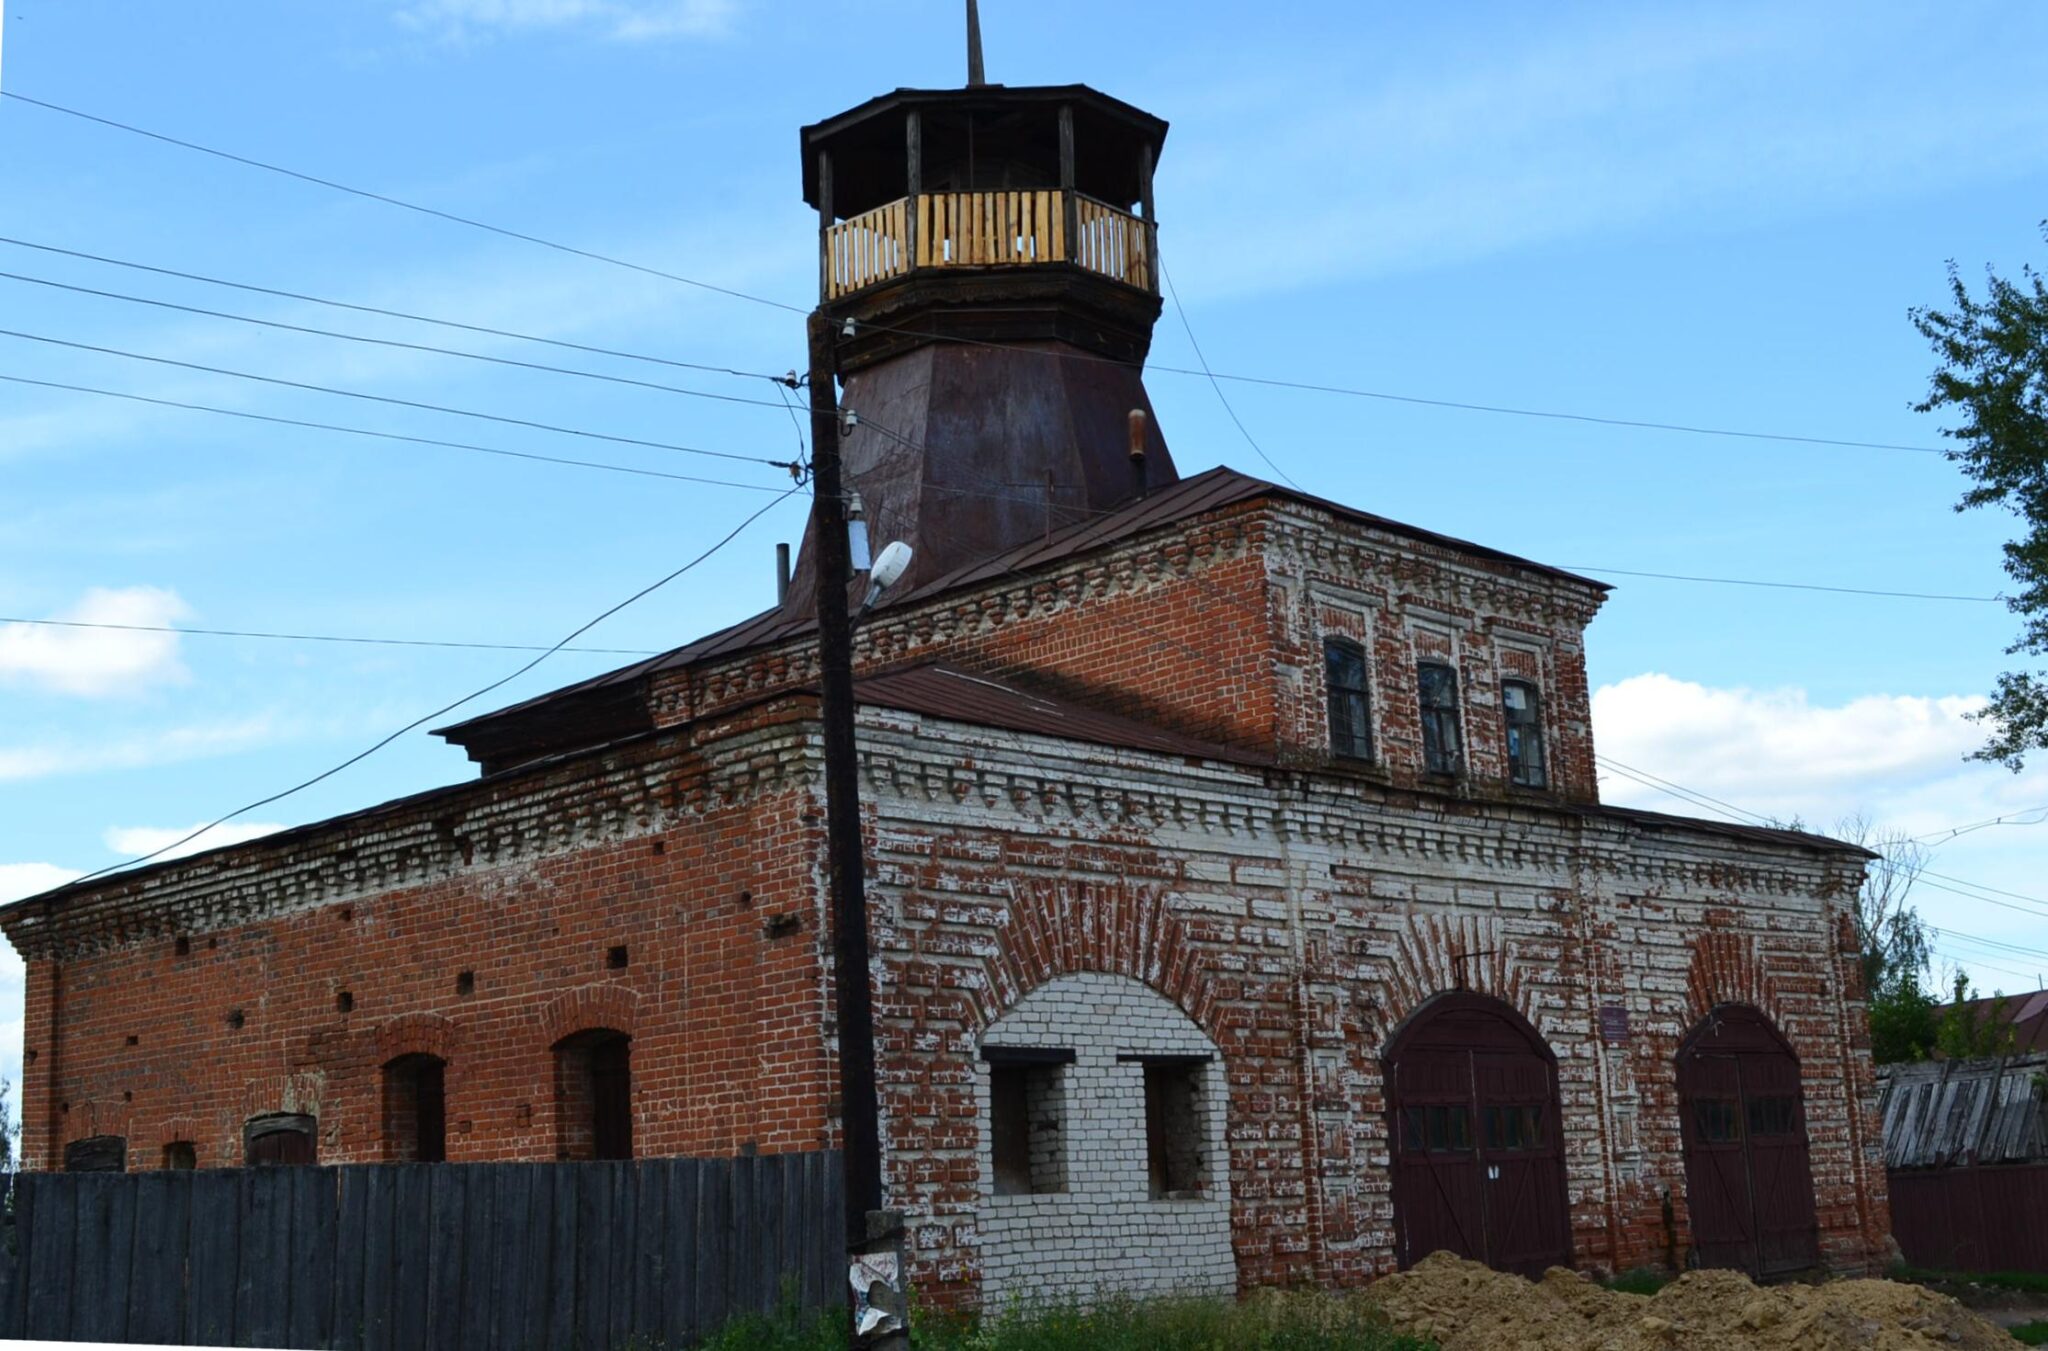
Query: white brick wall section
{"x":1105,"y":1233}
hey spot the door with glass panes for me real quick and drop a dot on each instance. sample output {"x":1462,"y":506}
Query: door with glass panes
{"x":1477,"y":1160}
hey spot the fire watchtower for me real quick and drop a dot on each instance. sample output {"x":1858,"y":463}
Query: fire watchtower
{"x":996,"y":250}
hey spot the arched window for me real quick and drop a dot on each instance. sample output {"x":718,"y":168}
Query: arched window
{"x":1524,"y":714}
{"x":278,"y":1138}
{"x":181,"y":1155}
{"x":594,"y":1095}
{"x":1443,"y":746}
{"x":1350,"y":706}
{"x":415,"y":1115}
{"x":97,"y":1154}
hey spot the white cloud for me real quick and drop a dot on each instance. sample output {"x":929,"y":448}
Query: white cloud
{"x":1777,"y":753}
{"x":136,"y":840}
{"x":622,"y":20}
{"x":52,"y":758}
{"x":29,"y":879}
{"x":95,"y":663}
{"x":1896,"y":760}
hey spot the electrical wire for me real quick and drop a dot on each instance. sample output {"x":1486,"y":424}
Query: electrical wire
{"x":388,"y":436}
{"x":387,"y":342}
{"x":400,"y":202}
{"x":447,"y":708}
{"x":319,"y":637}
{"x":1787,"y":586}
{"x":1068,"y":355}
{"x":1217,"y":385}
{"x":396,"y":402}
{"x":383,"y":312}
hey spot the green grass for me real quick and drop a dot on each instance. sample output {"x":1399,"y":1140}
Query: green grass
{"x":2031,"y":1334}
{"x":1267,"y":1322}
{"x":2033,"y":1282}
{"x":1641,"y":1281}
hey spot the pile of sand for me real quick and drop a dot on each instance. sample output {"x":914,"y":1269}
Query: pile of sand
{"x":1466,"y":1307}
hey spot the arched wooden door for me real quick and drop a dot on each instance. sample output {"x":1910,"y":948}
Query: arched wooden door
{"x":1748,"y":1183}
{"x":1477,"y":1154}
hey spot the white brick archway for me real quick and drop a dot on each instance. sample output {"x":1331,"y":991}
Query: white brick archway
{"x":1115,"y":1175}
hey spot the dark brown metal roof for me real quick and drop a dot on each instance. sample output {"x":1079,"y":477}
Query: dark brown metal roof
{"x":962,"y":696}
{"x":1212,"y":490}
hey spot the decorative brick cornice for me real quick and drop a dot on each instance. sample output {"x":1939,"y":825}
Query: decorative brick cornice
{"x":620,"y":793}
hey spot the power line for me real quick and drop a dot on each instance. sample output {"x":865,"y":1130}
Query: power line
{"x":400,"y":202}
{"x":320,"y":637}
{"x":388,"y":436}
{"x":383,"y":312}
{"x":386,"y":342}
{"x":1786,"y":586}
{"x":1272,"y":382}
{"x":2033,"y":905}
{"x":1936,"y":838}
{"x":448,"y":708}
{"x":1216,"y":385}
{"x":397,"y":402}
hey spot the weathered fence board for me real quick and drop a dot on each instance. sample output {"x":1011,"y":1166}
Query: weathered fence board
{"x":657,"y":1252}
{"x":1981,"y":1218}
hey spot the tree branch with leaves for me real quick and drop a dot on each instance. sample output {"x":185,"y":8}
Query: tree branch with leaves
{"x":1993,"y":378}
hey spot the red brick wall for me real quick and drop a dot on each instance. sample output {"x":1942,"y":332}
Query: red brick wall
{"x":726,"y":1051}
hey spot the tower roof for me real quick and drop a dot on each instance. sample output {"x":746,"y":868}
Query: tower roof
{"x":866,"y":142}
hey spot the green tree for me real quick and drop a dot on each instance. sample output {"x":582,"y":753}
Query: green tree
{"x":1968,"y":1032}
{"x":1993,"y":377}
{"x":7,"y":1128}
{"x":1905,"y":1022}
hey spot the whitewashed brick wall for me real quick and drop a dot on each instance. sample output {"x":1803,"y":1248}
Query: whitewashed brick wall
{"x":1105,"y":1232}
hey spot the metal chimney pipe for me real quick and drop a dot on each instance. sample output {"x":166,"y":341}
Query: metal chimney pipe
{"x":1137,"y":427}
{"x":781,"y":573}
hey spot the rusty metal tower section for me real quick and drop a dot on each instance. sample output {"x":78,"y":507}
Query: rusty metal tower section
{"x":990,"y":257}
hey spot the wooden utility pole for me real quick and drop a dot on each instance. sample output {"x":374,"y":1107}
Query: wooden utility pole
{"x":871,"y":1233}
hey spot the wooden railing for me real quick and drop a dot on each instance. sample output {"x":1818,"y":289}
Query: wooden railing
{"x":986,"y":229}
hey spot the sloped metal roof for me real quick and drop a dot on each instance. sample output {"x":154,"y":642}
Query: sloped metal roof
{"x":1209,"y":491}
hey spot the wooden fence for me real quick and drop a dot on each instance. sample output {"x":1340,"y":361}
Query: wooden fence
{"x":986,"y":229}
{"x":651,"y":1253}
{"x":1981,"y":1217}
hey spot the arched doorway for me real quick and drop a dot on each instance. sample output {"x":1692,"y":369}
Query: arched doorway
{"x":1477,"y":1150}
{"x":1748,"y":1183}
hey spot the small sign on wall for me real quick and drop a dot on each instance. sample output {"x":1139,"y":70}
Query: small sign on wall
{"x":1613,"y":1023}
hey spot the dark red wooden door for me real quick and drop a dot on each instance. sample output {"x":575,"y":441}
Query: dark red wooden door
{"x":1748,"y":1181}
{"x":1478,"y":1165}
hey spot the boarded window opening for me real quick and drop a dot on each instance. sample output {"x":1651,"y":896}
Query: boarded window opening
{"x":1443,"y":744}
{"x":415,"y":1111}
{"x":97,"y":1154}
{"x":1524,"y":714}
{"x":1350,"y":710}
{"x":1173,"y":1128}
{"x":181,"y":1155}
{"x":1027,"y":1091}
{"x":278,"y":1138}
{"x":594,"y":1096}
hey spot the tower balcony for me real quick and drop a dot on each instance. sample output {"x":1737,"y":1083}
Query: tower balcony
{"x":1014,"y":228}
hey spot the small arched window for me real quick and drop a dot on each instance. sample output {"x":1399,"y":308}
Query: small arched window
{"x":278,"y":1138}
{"x":1524,"y":714}
{"x":97,"y":1154}
{"x":594,"y":1095}
{"x":181,"y":1155}
{"x":415,"y":1112}
{"x":1350,"y":705}
{"x":1443,"y":745}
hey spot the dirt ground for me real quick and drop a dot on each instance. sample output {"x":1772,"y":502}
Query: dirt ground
{"x":1466,"y":1307}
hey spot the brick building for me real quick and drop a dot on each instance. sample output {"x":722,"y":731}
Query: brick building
{"x":1243,"y":905}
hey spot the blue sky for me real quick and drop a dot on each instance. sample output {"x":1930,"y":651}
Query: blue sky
{"x":1707,"y":215}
